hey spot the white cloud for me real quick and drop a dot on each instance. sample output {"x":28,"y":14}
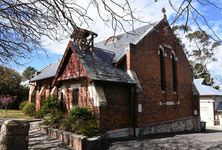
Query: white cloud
{"x":149,"y":11}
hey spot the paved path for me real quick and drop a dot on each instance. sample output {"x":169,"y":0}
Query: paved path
{"x":211,"y":140}
{"x":41,"y":141}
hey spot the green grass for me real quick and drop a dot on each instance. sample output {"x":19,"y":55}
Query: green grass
{"x":13,"y":114}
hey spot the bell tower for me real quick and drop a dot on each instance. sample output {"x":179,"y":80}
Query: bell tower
{"x":84,"y":38}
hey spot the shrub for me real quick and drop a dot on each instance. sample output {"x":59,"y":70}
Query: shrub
{"x":22,"y":104}
{"x":54,"y":118}
{"x":81,"y":121}
{"x":29,"y":109}
{"x":49,"y":104}
{"x":80,"y":113}
{"x":85,"y":127}
{"x":39,"y":114}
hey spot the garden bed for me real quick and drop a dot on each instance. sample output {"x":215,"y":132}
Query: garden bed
{"x":78,"y":142}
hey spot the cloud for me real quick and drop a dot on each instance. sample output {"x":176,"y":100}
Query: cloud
{"x":148,"y":11}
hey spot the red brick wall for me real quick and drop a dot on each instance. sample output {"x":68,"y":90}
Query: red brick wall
{"x":144,"y":60}
{"x":116,"y":114}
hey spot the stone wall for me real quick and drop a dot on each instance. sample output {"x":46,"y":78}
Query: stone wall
{"x":191,"y":124}
{"x":181,"y":125}
{"x":14,"y":135}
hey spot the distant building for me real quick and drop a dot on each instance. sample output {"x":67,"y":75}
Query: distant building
{"x":210,"y":103}
{"x":136,"y":83}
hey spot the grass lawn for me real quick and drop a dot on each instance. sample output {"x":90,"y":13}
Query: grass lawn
{"x":13,"y":114}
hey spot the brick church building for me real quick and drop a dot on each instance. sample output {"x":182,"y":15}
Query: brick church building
{"x":136,"y":83}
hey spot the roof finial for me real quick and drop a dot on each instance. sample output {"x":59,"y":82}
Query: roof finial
{"x":164,"y":13}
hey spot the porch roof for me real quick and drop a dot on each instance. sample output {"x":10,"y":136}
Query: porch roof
{"x":99,"y":65}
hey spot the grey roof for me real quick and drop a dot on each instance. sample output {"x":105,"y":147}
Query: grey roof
{"x":206,"y":90}
{"x":123,"y":40}
{"x":105,"y":55}
{"x":47,"y":72}
{"x":99,"y":66}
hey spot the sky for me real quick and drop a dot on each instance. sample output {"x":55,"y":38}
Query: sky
{"x":146,"y":10}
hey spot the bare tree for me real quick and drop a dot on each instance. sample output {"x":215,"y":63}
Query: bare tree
{"x":23,"y":23}
{"x":187,"y":9}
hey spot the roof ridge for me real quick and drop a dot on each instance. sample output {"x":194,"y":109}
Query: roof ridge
{"x":133,"y":30}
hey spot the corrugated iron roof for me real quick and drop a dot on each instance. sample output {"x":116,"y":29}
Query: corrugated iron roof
{"x":206,"y":90}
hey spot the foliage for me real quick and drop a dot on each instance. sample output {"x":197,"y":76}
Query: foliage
{"x":49,"y":104}
{"x":54,"y":118}
{"x":81,"y":121}
{"x":201,"y":71}
{"x":28,"y":72}
{"x":9,"y":81}
{"x":6,"y":102}
{"x":39,"y":114}
{"x":85,"y":127}
{"x":10,"y":85}
{"x":29,"y":109}
{"x":80,"y":113}
{"x":200,"y":52}
{"x":22,"y":104}
{"x":51,"y":112}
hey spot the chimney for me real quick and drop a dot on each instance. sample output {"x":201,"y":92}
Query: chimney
{"x":84,"y":38}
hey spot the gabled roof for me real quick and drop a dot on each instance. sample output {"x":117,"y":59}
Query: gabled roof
{"x":48,"y":72}
{"x":99,"y":66}
{"x":206,"y":90}
{"x":123,"y":40}
{"x":105,"y":53}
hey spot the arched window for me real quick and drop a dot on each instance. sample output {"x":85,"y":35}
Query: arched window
{"x":174,"y":71}
{"x":162,"y":70}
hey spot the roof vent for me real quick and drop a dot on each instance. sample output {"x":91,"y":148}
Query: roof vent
{"x":84,"y":38}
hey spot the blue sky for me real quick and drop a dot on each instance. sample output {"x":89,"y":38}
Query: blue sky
{"x":147,"y":10}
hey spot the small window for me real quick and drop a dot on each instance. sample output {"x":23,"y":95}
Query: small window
{"x":174,"y":71}
{"x":75,"y":96}
{"x":162,"y":70}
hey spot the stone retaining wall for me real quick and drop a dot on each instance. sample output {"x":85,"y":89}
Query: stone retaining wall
{"x":79,"y":142}
{"x":181,"y":125}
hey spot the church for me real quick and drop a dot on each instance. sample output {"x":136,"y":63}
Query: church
{"x":135,"y":83}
